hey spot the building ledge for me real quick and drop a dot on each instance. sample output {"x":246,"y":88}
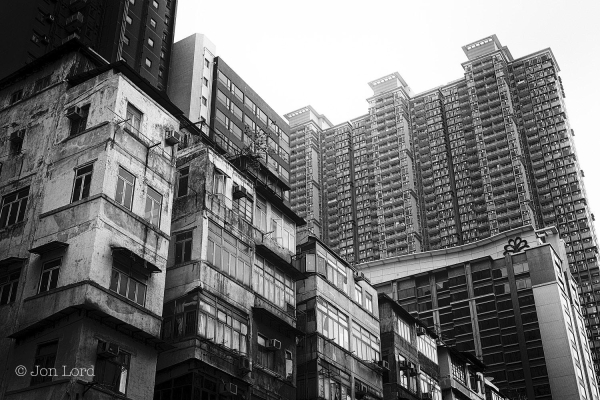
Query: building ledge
{"x":96,"y":302}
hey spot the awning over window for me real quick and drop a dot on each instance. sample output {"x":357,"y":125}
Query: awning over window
{"x":50,"y":246}
{"x":5,"y":262}
{"x":132,"y":260}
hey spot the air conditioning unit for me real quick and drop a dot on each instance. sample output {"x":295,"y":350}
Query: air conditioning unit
{"x":245,"y":364}
{"x":171,"y":137}
{"x":383,"y":364}
{"x":108,"y":350}
{"x":359,"y":276}
{"x":421,"y":331}
{"x":363,"y":388}
{"x":45,"y":39}
{"x":274,"y":344}
{"x":228,"y":388}
{"x":74,"y":113}
{"x":17,"y":136}
{"x":404,"y":364}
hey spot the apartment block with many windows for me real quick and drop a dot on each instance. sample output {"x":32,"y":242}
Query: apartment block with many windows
{"x":509,"y":300}
{"x":484,"y":154}
{"x":306,"y":168}
{"x":339,"y":353}
{"x":136,"y":31}
{"x":230,"y":308}
{"x":87,"y":182}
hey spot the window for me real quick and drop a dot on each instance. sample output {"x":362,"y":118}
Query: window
{"x":49,"y":279}
{"x":112,"y":373}
{"x":180,"y":318}
{"x":78,"y":125}
{"x":365,"y":344}
{"x":289,"y":365}
{"x":205,"y":81}
{"x":219,"y":182}
{"x":206,"y":63}
{"x":272,"y":284}
{"x":427,"y":347}
{"x":228,"y":254}
{"x":8,"y":287}
{"x":128,"y":283}
{"x":16,"y":96}
{"x":125,"y":40}
{"x":369,"y":302}
{"x":358,"y":294}
{"x":155,"y":4}
{"x":201,"y":315}
{"x":133,"y":117}
{"x":152,"y":23}
{"x":153,"y":206}
{"x":83,"y":181}
{"x":125,"y":185}
{"x":128,"y":19}
{"x":183,"y":181}
{"x":333,"y":323}
{"x":35,"y":38}
{"x":148,"y":63}
{"x":404,"y":329}
{"x":42,"y":83}
{"x":458,"y":371}
{"x":264,"y":356}
{"x":13,"y":207}
{"x":150,"y":42}
{"x":183,"y":247}
{"x":45,"y":357}
{"x":204,"y":101}
{"x":261,"y":214}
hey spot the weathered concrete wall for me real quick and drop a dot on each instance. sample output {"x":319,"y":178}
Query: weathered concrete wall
{"x":77,"y":343}
{"x":89,"y":226}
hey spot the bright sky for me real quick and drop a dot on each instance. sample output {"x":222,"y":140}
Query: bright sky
{"x":320,"y":53}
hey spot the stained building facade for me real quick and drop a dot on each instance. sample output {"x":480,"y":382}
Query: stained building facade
{"x":339,"y":353}
{"x":87,"y":182}
{"x":137,"y":31}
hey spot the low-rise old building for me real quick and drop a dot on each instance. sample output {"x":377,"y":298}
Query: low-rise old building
{"x":410,"y":350}
{"x":339,"y":356}
{"x":509,"y":300}
{"x":86,"y":180}
{"x":230,"y":299}
{"x":461,"y":374}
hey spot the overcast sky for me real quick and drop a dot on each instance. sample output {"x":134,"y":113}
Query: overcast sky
{"x":295,"y":53}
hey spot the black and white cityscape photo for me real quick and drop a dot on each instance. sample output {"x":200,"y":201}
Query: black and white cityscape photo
{"x":316,"y":200}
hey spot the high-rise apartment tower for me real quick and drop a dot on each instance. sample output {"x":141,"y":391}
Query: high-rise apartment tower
{"x":137,"y":31}
{"x":481,"y":155}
